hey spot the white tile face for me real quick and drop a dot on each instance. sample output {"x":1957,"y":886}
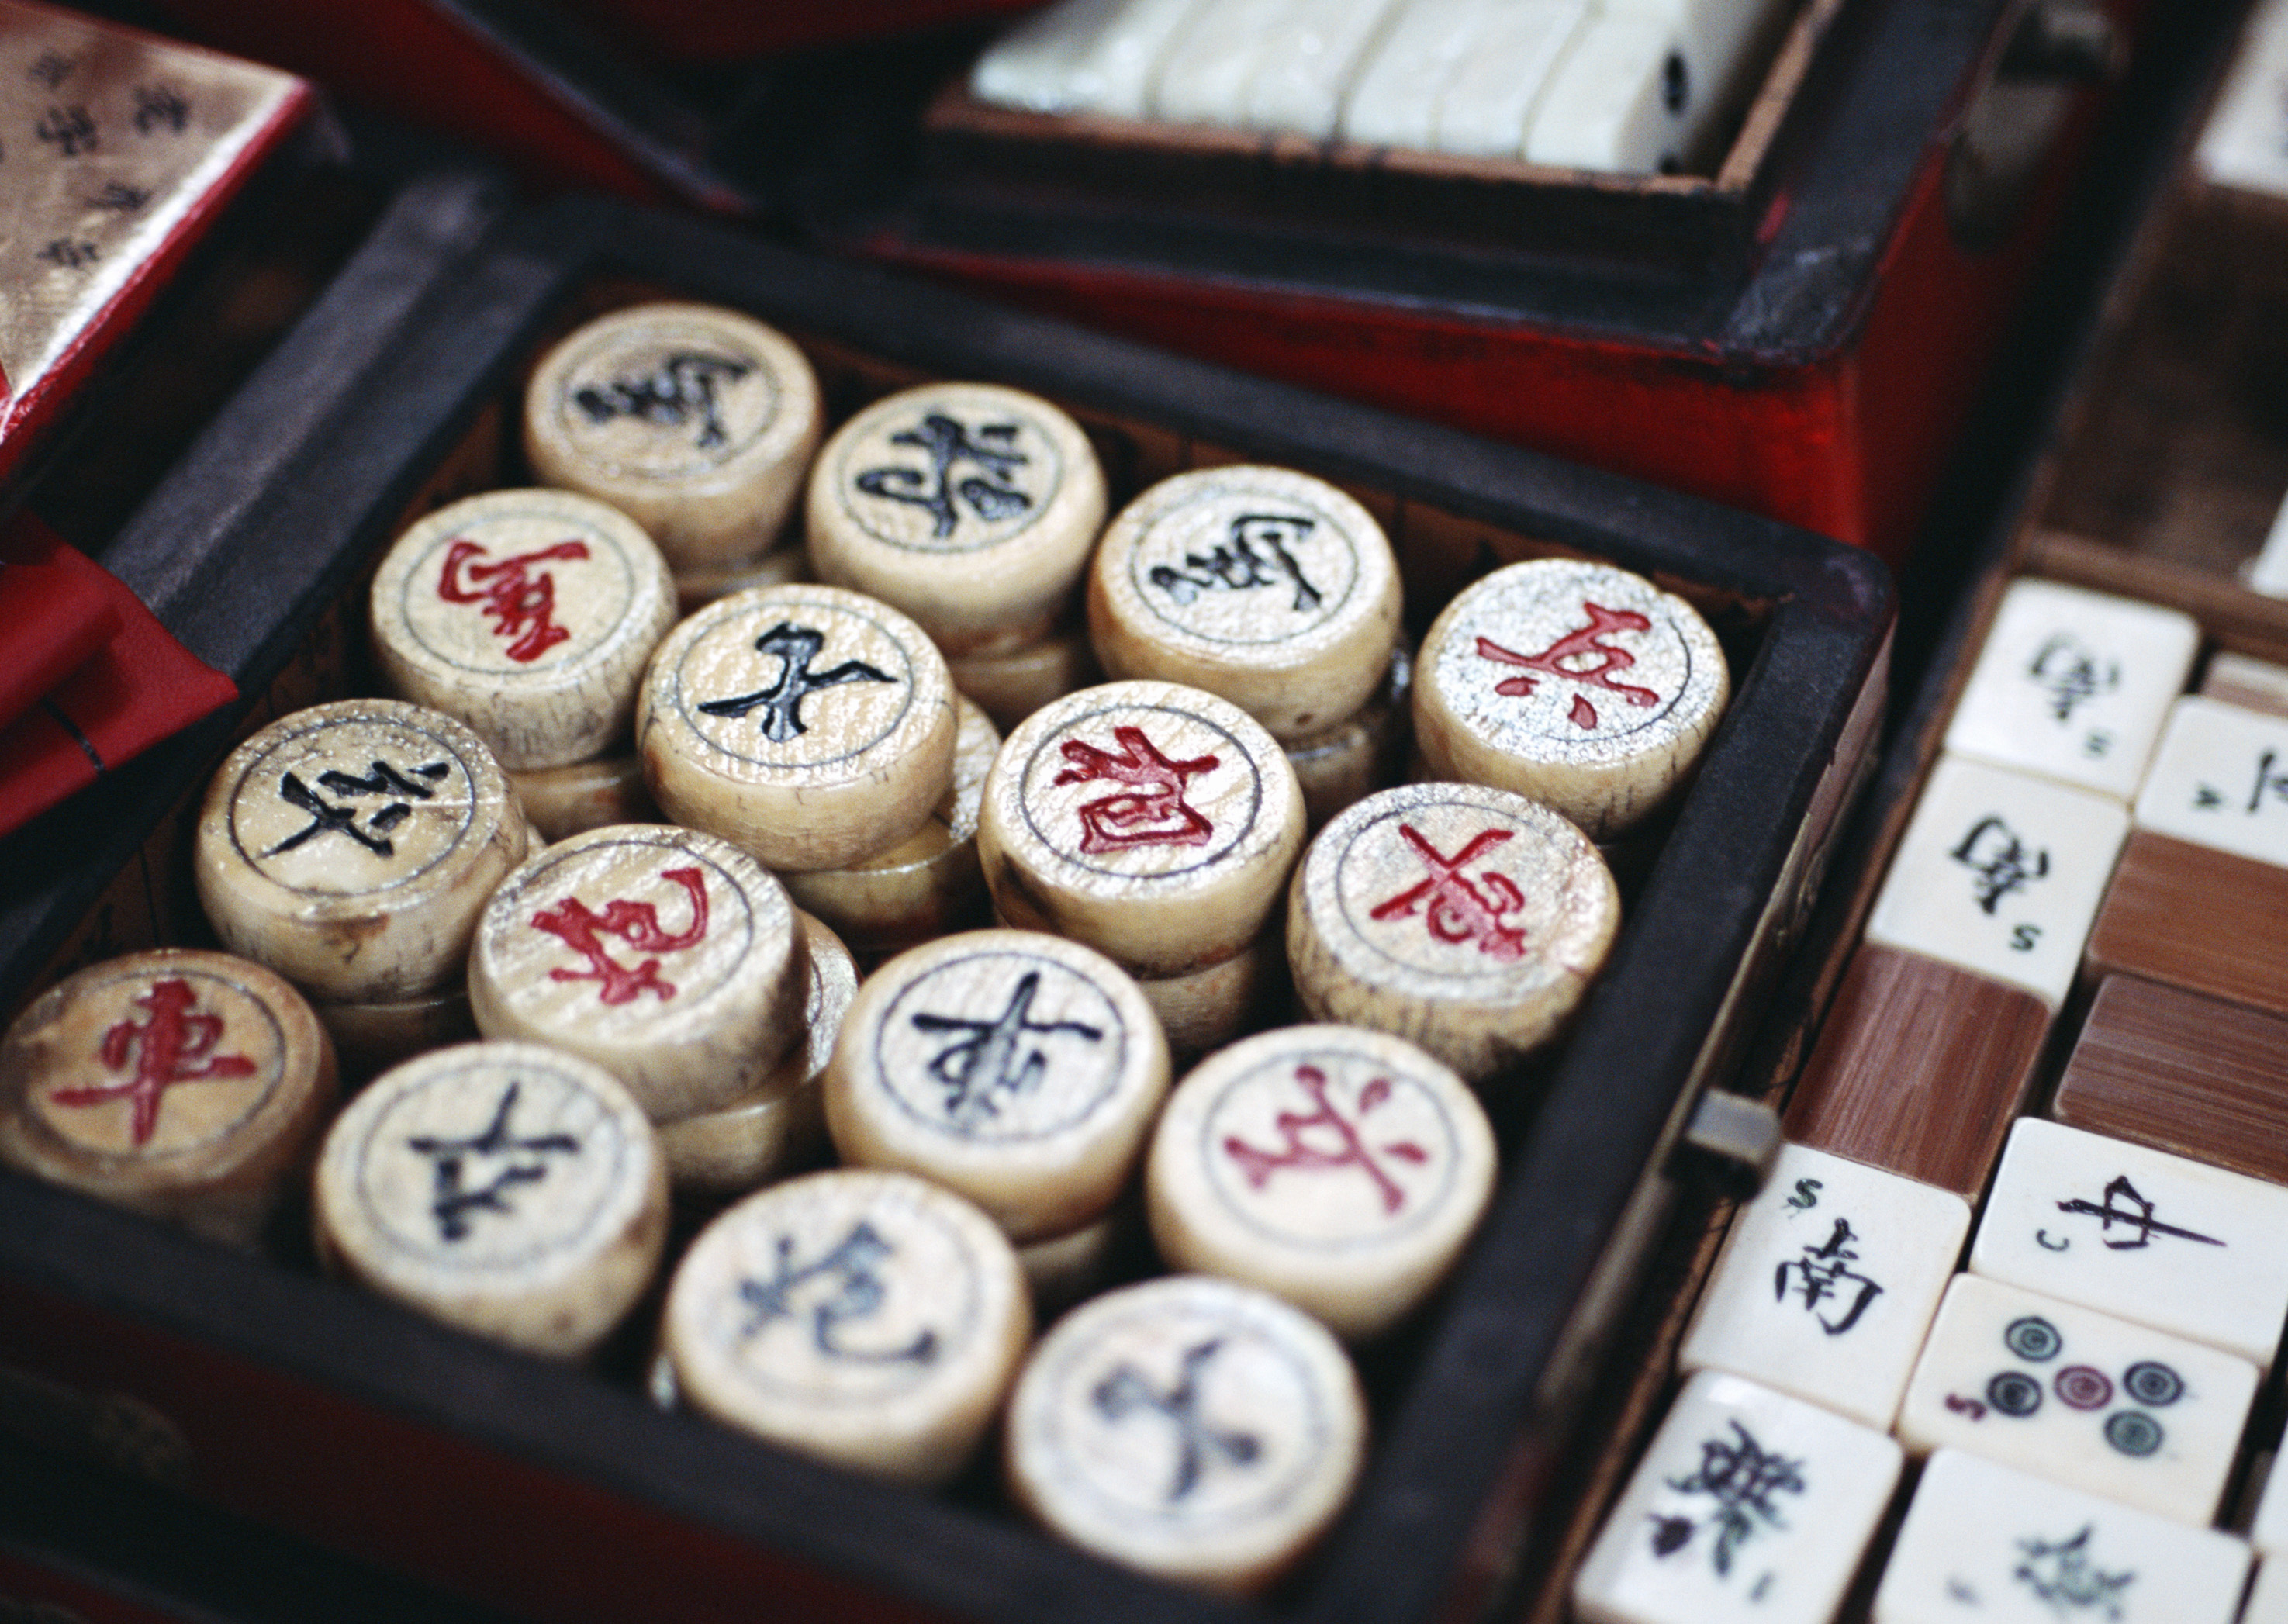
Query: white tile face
{"x":2074,"y":684}
{"x":2267,"y":1531}
{"x":1212,"y":60}
{"x":2220,"y":778}
{"x":1726,"y":46}
{"x":2078,"y":1396}
{"x":1309,"y":64}
{"x":1619,"y":100}
{"x":1827,"y":1283}
{"x":2267,"y":1602}
{"x":1488,"y":103}
{"x":1084,"y":56}
{"x":1749,"y":1505}
{"x":2001,"y":873}
{"x":1394,"y":99}
{"x":2246,"y":142}
{"x":2157,"y":1238}
{"x":1983,"y":1544}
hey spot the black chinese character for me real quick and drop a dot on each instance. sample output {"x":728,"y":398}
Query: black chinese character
{"x":1741,"y":1476}
{"x":120,"y":198}
{"x":2000,"y":860}
{"x":2134,"y":1213}
{"x":1824,"y":1272}
{"x":2071,"y":674}
{"x":70,"y":253}
{"x":782,"y":703}
{"x":991,"y":492}
{"x":52,"y":69}
{"x":683,"y":387}
{"x":159,"y":106}
{"x":2060,"y":1572}
{"x":325,"y":817}
{"x":991,"y":1061}
{"x":2208,"y":798}
{"x":69,"y":130}
{"x":1236,"y":565}
{"x":1126,"y":1391}
{"x":854,"y":1266}
{"x":453,"y":1199}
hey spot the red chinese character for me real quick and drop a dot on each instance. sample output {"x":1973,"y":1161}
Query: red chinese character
{"x":636,"y":923}
{"x":1574,"y":644}
{"x":173,"y":1046}
{"x":1341,"y":1148}
{"x":1151,"y":812}
{"x":1457,"y":910}
{"x":520,"y":605}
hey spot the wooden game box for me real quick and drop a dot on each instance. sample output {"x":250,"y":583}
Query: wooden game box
{"x":259,"y":1388}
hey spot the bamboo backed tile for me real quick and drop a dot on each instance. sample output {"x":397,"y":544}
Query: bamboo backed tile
{"x":2198,"y":918}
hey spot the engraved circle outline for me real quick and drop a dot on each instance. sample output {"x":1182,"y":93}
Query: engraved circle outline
{"x":746,"y":612}
{"x":598,"y":648}
{"x":2025,"y":1394}
{"x":1065,"y":729}
{"x":1463,"y":630}
{"x":861,"y":429}
{"x":2030,"y":1332}
{"x":1325,"y":618}
{"x":2138,"y":1376}
{"x":1535,"y":963}
{"x":573,"y":372}
{"x":2144,"y":1435}
{"x":469,"y":808}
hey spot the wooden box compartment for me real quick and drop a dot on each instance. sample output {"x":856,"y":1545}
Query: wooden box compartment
{"x":561,"y":1493}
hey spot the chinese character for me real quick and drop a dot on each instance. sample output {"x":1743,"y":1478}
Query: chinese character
{"x":2002,"y":863}
{"x":2060,"y":1572}
{"x":1126,"y":1391}
{"x":68,"y":130}
{"x":1458,"y":910}
{"x":796,"y":647}
{"x":2208,"y":798}
{"x":854,"y":1266}
{"x":52,"y":69}
{"x":984,"y":1068}
{"x":1152,"y":812}
{"x":682,"y":388}
{"x":991,"y":492}
{"x":453,"y":1200}
{"x":1580,"y":644}
{"x":159,"y":106}
{"x":520,"y":605}
{"x":2071,"y":674}
{"x":119,"y":198}
{"x":1742,"y":1479}
{"x":1349,"y":1150}
{"x":2135,"y":1214}
{"x":173,"y":1046}
{"x":70,"y":253}
{"x":1824,"y":1270}
{"x":636,"y":923}
{"x":325,"y":817}
{"x":1237,"y":566}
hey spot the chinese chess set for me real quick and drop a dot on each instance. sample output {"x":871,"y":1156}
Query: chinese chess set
{"x":1094,"y":892}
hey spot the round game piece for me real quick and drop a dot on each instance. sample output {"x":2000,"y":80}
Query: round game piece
{"x":867,"y":1318}
{"x":1155,"y":822}
{"x":507,"y":1189}
{"x":1011,"y":686}
{"x":1022,"y":1071}
{"x":1339,"y":1169}
{"x":351,"y":846}
{"x":1577,"y":683}
{"x":664,"y":955}
{"x":1268,"y":587}
{"x":1208,"y":1008}
{"x":812,"y":726}
{"x":1196,"y":1428}
{"x":1063,"y":1269}
{"x":696,"y":587}
{"x":369,"y":1038}
{"x":970,"y":507}
{"x":527,"y":613}
{"x":1361,"y":753}
{"x":560,"y":802}
{"x":775,"y":1127}
{"x":924,"y":884}
{"x":697,"y":422}
{"x":1462,"y":918}
{"x":191,"y":1086}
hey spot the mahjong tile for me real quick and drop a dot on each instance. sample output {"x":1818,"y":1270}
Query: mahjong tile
{"x":2220,"y":778}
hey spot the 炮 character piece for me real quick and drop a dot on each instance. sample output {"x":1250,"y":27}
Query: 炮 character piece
{"x":1464,"y":919}
{"x":1266,"y":587}
{"x":1193,"y":1428}
{"x":1339,"y":1169}
{"x":191,"y":1086}
{"x":1577,"y":683}
{"x":350,"y":847}
{"x":968,"y":506}
{"x":510,"y":1190}
{"x":869,"y":1317}
{"x":811,"y":726}
{"x":698,"y":423}
{"x":664,"y":955}
{"x":1155,"y":822}
{"x":1023,"y":1071}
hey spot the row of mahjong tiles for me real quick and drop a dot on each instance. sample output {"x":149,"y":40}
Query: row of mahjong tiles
{"x":2081,"y":1390}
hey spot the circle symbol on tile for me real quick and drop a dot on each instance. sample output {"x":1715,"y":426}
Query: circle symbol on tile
{"x":2082,"y":1388}
{"x":2033,"y":1338}
{"x":2014,"y":1393}
{"x":2150,"y":1382}
{"x":2132,"y":1432}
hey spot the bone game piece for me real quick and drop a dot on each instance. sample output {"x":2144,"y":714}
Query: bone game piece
{"x":191,"y":1086}
{"x":812,"y":726}
{"x":513,"y":1191}
{"x":350,"y":847}
{"x":664,"y":955}
{"x":587,"y":794}
{"x":968,"y":506}
{"x":697,"y":422}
